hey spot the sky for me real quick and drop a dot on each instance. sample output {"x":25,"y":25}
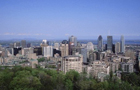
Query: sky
{"x":59,"y":19}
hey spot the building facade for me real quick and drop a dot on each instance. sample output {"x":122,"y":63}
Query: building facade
{"x":117,"y":47}
{"x":72,"y":62}
{"x":23,"y":44}
{"x":48,"y":51}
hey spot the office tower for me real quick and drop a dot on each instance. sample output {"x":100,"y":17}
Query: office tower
{"x":56,"y":46}
{"x":43,"y":44}
{"x":109,"y":43}
{"x":117,"y":47}
{"x":24,"y":51}
{"x":64,"y":48}
{"x":48,"y":51}
{"x":72,"y":62}
{"x":44,"y":41}
{"x":11,"y":45}
{"x":113,"y":48}
{"x":38,"y":50}
{"x":16,"y":51}
{"x":23,"y":43}
{"x":11,"y":51}
{"x":122,"y":44}
{"x":64,"y":42}
{"x":76,"y":49}
{"x":90,"y":46}
{"x":73,"y":41}
{"x":84,"y":53}
{"x":100,"y":43}
{"x":16,"y":44}
{"x":56,"y":52}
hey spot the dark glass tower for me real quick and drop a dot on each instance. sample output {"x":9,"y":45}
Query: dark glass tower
{"x":100,"y":43}
{"x":109,"y":43}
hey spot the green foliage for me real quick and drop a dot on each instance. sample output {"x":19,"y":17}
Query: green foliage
{"x":20,"y":78}
{"x":41,"y":59}
{"x":68,"y":84}
{"x":132,"y":78}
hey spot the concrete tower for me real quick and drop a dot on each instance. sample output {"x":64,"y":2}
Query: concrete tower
{"x":122,"y":44}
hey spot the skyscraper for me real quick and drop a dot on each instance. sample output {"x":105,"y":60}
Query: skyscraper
{"x":100,"y":43}
{"x":64,"y":48}
{"x":109,"y":43}
{"x":90,"y":46}
{"x":117,"y":47}
{"x":56,"y":46}
{"x":23,"y":43}
{"x":16,"y":44}
{"x":122,"y":44}
{"x":73,"y":40}
{"x":72,"y":43}
{"x":48,"y":51}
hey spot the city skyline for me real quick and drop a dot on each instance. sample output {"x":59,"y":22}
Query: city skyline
{"x":60,"y":19}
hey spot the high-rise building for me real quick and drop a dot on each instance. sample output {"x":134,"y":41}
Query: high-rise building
{"x":48,"y":51}
{"x":122,"y":44}
{"x":90,"y":46}
{"x":73,"y":40}
{"x":23,"y":43}
{"x":38,"y":50}
{"x":64,"y":48}
{"x":72,"y":43}
{"x":16,"y":44}
{"x":44,"y":41}
{"x":117,"y":47}
{"x":56,"y":46}
{"x":72,"y":62}
{"x":84,"y":53}
{"x":11,"y":45}
{"x":109,"y":42}
{"x":100,"y":43}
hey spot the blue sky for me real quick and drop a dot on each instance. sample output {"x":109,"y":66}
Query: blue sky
{"x":59,"y":19}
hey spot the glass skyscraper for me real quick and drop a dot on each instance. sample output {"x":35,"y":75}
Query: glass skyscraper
{"x":109,"y":43}
{"x":100,"y":43}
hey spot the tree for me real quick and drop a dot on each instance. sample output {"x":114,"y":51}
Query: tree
{"x":68,"y":84}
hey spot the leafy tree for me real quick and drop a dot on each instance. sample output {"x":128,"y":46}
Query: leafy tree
{"x":68,"y":84}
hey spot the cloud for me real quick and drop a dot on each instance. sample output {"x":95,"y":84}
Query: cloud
{"x":8,"y":33}
{"x":23,"y":34}
{"x":67,"y":34}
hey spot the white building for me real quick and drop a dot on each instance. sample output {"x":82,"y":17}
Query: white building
{"x":56,"y":46}
{"x":90,"y":46}
{"x":48,"y":51}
